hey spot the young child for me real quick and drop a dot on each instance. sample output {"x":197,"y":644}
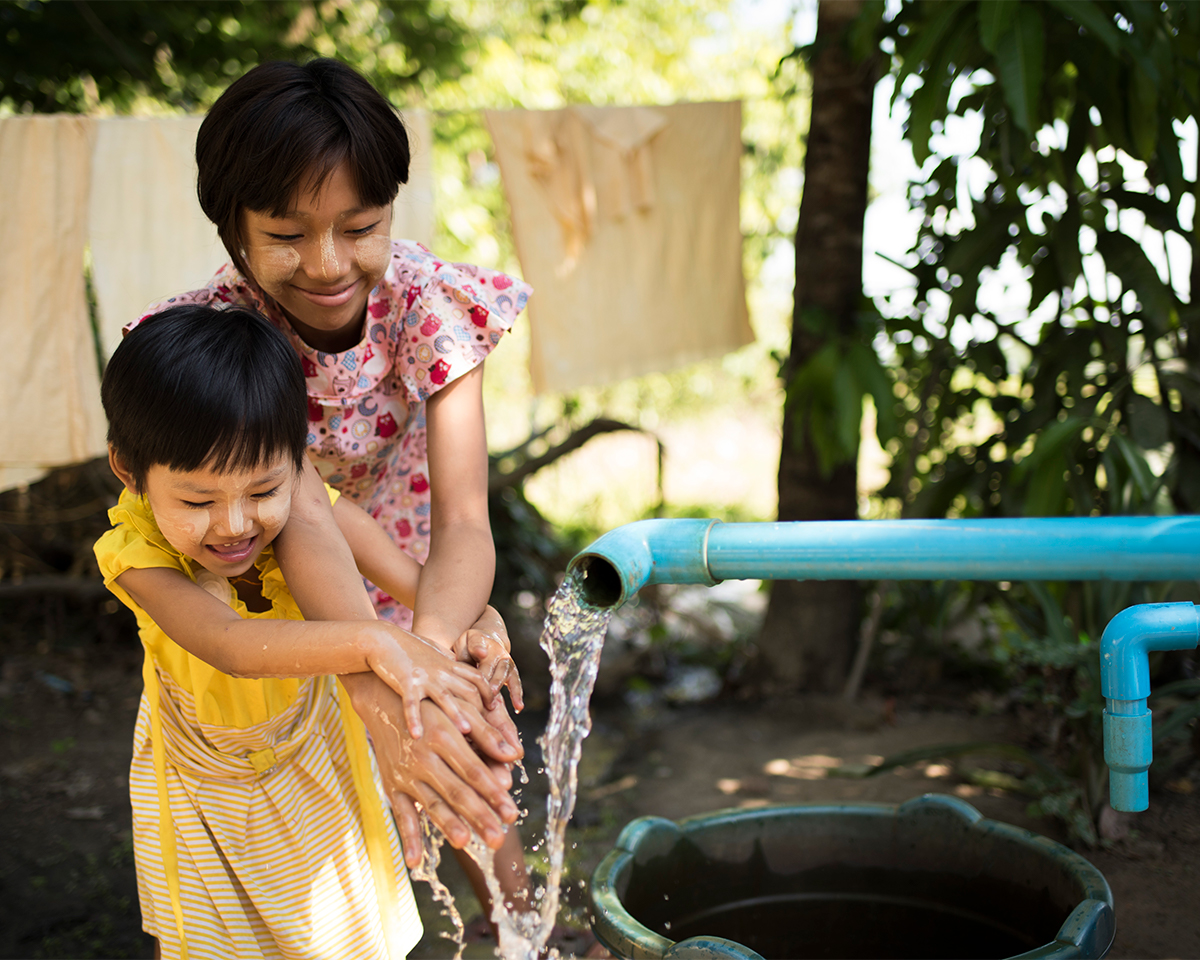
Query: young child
{"x":260,"y":828}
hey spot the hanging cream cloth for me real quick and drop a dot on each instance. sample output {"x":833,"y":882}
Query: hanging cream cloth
{"x":126,"y":188}
{"x":51,"y":396}
{"x":148,"y":235}
{"x":626,"y":224}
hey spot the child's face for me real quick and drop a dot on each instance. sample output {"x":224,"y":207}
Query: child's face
{"x":321,"y":260}
{"x":222,"y":520}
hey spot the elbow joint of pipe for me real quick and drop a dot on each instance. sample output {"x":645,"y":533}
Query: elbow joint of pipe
{"x":1130,"y":636}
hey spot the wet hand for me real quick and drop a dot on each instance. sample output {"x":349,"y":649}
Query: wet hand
{"x":486,"y":644}
{"x":417,"y":669}
{"x":458,"y":789}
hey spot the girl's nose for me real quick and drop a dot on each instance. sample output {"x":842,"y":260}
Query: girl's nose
{"x":236,"y":521}
{"x":328,"y":261}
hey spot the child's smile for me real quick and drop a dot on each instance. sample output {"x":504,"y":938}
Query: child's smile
{"x":222,"y":520}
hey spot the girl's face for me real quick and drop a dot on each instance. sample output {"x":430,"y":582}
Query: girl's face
{"x":220,"y":520}
{"x":321,"y":259}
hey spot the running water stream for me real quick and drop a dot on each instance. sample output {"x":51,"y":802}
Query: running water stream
{"x":572,"y":638}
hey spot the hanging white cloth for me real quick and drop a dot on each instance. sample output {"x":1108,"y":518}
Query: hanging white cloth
{"x":51,"y":394}
{"x":626,"y":222}
{"x":147,"y":234}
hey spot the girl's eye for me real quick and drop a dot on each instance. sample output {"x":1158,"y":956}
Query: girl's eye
{"x":266,"y":494}
{"x":363,"y":231}
{"x":284,"y":237}
{"x":197,"y":506}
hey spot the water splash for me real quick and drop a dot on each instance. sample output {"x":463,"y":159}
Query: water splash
{"x":572,"y":638}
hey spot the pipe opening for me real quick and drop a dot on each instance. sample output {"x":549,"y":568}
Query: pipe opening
{"x":600,"y":583}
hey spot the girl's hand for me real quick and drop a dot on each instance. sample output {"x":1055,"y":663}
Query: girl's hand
{"x":486,"y":644}
{"x":417,"y":669}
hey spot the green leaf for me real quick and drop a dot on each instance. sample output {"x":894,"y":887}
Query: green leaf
{"x":1019,"y":56}
{"x":995,"y":18}
{"x":1139,"y":469}
{"x":1148,"y":424}
{"x":1049,"y":446}
{"x":1143,"y":114}
{"x":1125,"y":258}
{"x":874,"y":379}
{"x":928,"y":37}
{"x":1087,"y":14}
{"x":1056,"y":624}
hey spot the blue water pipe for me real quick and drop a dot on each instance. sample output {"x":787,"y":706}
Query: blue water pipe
{"x":624,"y":560}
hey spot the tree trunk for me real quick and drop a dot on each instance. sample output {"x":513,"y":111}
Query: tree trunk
{"x":807,"y":639}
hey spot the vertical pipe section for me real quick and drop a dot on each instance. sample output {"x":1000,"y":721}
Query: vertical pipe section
{"x":1125,"y":682}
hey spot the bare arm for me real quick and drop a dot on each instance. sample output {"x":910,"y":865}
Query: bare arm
{"x":441,"y":771}
{"x":376,"y":556}
{"x":212,"y":631}
{"x":484,"y":643}
{"x":457,"y":578}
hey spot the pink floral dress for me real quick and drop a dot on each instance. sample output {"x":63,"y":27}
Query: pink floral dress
{"x":428,"y":322}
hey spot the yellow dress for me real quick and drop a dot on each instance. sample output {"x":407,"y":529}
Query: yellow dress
{"x":259,"y":823}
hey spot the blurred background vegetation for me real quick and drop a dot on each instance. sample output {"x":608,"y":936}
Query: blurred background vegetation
{"x":1028,"y":355}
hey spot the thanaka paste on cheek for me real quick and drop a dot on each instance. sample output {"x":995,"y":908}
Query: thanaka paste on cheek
{"x":185,"y":535}
{"x":373,"y":253}
{"x":274,"y":265}
{"x":273,"y":513}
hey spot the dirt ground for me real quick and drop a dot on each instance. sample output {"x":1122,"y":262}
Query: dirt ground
{"x":67,"y":710}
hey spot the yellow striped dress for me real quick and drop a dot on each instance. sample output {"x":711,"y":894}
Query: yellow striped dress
{"x":259,"y":823}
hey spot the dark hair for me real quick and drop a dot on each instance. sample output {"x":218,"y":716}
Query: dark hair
{"x":281,"y":124}
{"x":195,"y":386}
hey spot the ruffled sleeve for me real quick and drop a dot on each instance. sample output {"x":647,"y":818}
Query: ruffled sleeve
{"x":454,"y":316}
{"x":134,"y":542}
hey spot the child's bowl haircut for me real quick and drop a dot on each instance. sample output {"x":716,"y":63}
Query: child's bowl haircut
{"x":193,"y":386}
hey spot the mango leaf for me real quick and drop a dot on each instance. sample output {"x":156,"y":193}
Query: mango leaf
{"x":1128,"y":261}
{"x":1056,"y":623}
{"x":846,"y":412}
{"x":1089,"y":15}
{"x":928,"y":37}
{"x":1139,"y":470}
{"x":1148,"y":425}
{"x":1143,"y":114}
{"x":873,"y":378}
{"x":1050,"y":445}
{"x":1019,"y":55}
{"x":1160,"y":214}
{"x":810,"y":398}
{"x":995,"y":18}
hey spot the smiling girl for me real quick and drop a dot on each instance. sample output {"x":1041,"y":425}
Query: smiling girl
{"x":260,"y":828}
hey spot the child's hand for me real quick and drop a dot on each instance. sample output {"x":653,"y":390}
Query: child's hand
{"x":417,"y":669}
{"x":486,"y":644}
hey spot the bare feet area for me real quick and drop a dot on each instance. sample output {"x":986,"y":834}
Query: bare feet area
{"x":67,"y":708}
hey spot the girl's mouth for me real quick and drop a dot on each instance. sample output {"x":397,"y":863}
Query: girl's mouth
{"x":234,"y":552}
{"x":330,"y":298}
